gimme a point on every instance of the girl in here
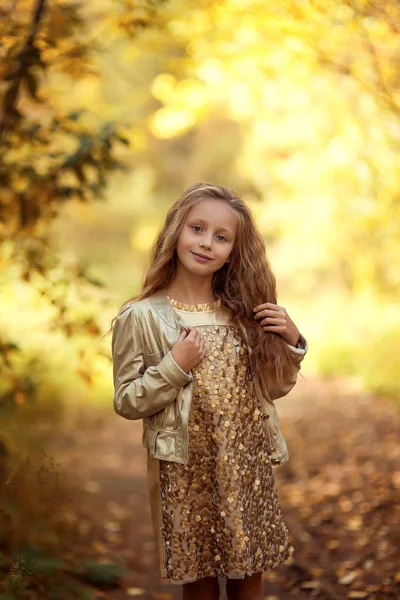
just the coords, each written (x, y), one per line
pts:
(200, 355)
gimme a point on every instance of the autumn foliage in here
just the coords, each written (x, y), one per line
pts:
(109, 110)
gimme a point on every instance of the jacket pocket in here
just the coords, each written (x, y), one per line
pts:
(165, 444)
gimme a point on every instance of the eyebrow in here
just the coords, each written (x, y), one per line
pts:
(204, 222)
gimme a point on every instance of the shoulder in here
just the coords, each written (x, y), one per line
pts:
(128, 323)
(132, 309)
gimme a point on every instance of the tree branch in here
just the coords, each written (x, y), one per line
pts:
(24, 60)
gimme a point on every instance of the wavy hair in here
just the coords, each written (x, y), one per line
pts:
(242, 283)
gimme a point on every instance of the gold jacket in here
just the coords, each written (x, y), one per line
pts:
(150, 385)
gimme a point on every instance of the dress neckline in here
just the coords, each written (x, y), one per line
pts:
(204, 307)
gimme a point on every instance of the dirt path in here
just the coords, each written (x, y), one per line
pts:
(339, 494)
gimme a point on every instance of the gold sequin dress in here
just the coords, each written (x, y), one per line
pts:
(219, 515)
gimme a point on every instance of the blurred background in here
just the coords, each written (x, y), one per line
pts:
(109, 110)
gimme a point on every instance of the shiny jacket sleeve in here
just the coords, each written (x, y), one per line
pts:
(300, 351)
(140, 392)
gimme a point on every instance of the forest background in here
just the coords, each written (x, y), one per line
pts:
(111, 108)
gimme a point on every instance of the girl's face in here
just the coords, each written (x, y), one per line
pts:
(209, 229)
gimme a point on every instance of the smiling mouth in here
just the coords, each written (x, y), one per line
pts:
(205, 257)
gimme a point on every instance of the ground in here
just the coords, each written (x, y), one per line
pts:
(339, 495)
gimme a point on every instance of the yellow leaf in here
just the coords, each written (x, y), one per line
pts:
(135, 591)
(92, 486)
(354, 523)
(348, 578)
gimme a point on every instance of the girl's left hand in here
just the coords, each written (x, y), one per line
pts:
(274, 318)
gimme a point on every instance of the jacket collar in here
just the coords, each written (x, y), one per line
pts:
(163, 308)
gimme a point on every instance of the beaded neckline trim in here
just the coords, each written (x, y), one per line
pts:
(206, 306)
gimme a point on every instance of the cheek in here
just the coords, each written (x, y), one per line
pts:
(226, 251)
(186, 239)
(184, 242)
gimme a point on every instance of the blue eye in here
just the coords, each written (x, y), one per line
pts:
(223, 238)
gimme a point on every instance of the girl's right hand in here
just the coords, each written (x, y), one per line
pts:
(189, 349)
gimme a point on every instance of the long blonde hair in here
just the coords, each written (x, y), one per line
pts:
(241, 284)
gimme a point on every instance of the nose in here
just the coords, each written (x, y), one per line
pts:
(206, 242)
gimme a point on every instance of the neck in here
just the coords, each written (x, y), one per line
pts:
(185, 288)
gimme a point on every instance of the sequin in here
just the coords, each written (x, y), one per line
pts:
(220, 512)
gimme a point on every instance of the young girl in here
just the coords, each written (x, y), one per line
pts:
(200, 355)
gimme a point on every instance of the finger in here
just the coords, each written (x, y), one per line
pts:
(265, 313)
(267, 305)
(274, 328)
(194, 336)
(276, 307)
(273, 321)
(272, 314)
(200, 341)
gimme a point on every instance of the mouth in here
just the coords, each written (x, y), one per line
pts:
(201, 255)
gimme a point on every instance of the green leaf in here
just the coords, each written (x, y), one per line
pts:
(100, 573)
(34, 561)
